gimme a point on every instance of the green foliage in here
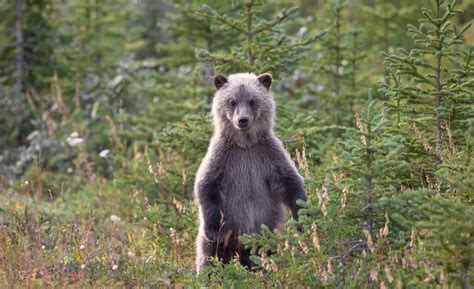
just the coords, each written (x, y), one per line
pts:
(338, 60)
(426, 86)
(266, 49)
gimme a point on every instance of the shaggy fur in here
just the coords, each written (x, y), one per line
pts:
(246, 178)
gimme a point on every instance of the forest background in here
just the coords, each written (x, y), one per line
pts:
(104, 113)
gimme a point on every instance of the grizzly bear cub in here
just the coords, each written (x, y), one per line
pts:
(246, 177)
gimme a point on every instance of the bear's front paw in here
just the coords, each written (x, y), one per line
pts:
(216, 234)
(212, 233)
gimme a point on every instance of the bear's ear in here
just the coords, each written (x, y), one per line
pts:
(219, 81)
(265, 79)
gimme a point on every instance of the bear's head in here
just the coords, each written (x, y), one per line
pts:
(244, 103)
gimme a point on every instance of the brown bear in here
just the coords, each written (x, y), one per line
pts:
(246, 178)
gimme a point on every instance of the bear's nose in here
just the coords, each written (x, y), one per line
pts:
(243, 122)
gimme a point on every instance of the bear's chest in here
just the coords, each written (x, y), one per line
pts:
(247, 198)
(247, 173)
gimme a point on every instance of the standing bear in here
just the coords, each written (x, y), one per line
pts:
(246, 178)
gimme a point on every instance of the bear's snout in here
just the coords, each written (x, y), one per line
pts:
(243, 122)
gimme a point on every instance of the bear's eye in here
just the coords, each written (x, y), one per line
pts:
(252, 102)
(233, 103)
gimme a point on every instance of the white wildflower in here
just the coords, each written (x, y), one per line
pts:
(115, 218)
(43, 247)
(74, 139)
(83, 266)
(82, 247)
(104, 153)
(115, 267)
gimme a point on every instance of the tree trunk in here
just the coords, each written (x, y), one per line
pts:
(337, 66)
(97, 26)
(438, 87)
(207, 69)
(369, 181)
(439, 137)
(250, 57)
(20, 55)
(465, 275)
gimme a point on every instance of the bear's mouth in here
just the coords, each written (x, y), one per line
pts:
(243, 129)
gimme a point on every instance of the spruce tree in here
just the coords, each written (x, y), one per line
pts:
(27, 50)
(383, 32)
(431, 85)
(369, 159)
(261, 44)
(188, 32)
(338, 64)
(330, 60)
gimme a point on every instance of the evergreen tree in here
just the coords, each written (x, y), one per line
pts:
(338, 69)
(27, 61)
(427, 87)
(369, 159)
(189, 32)
(263, 44)
(152, 15)
(386, 18)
